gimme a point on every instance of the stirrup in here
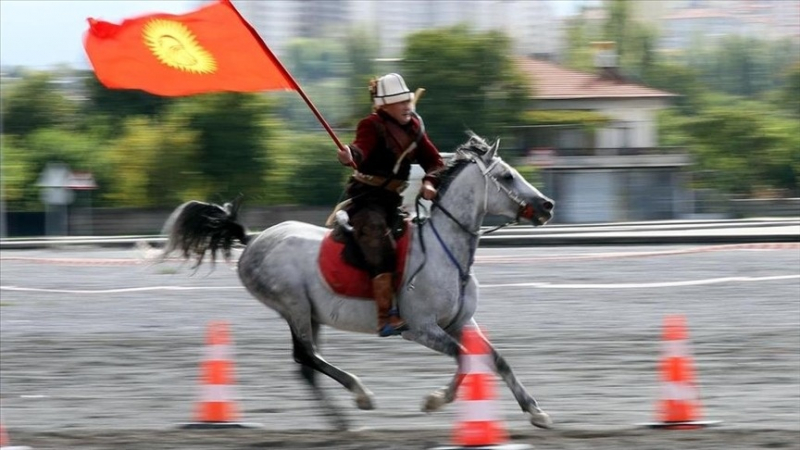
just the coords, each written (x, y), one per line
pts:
(389, 330)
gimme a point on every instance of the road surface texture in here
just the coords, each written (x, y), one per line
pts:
(101, 350)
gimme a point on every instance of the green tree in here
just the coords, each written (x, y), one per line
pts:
(27, 157)
(361, 50)
(677, 79)
(153, 163)
(17, 172)
(471, 82)
(116, 105)
(233, 133)
(34, 103)
(578, 54)
(641, 56)
(311, 60)
(314, 177)
(739, 65)
(789, 95)
(749, 149)
(617, 27)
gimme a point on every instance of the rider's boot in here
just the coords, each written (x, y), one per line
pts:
(389, 321)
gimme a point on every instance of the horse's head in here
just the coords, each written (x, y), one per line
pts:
(507, 193)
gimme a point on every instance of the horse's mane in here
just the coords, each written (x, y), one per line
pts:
(475, 146)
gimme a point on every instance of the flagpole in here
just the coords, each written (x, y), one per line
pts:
(289, 76)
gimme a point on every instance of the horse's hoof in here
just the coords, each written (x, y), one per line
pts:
(364, 401)
(433, 402)
(541, 419)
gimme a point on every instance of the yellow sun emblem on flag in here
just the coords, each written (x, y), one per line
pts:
(174, 45)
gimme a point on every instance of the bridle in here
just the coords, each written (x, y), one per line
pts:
(474, 234)
(487, 177)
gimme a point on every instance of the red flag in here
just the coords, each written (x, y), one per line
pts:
(209, 50)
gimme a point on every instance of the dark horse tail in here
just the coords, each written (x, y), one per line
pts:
(196, 228)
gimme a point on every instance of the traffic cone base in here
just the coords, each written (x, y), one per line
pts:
(214, 426)
(5, 441)
(489, 447)
(688, 425)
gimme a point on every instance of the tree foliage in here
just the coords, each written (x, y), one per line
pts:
(742, 65)
(361, 50)
(35, 103)
(154, 164)
(25, 157)
(311, 175)
(789, 95)
(233, 131)
(471, 83)
(748, 149)
(119, 104)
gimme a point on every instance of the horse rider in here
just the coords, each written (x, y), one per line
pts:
(387, 142)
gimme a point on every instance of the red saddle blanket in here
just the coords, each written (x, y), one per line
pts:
(351, 281)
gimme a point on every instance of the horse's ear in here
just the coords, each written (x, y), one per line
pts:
(493, 151)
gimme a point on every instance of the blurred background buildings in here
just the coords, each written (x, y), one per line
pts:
(533, 25)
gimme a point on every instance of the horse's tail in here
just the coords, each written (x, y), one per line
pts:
(195, 228)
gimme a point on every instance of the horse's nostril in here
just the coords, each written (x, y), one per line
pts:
(548, 206)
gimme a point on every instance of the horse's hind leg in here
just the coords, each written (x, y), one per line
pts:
(435, 338)
(305, 353)
(309, 374)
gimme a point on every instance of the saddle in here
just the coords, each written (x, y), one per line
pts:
(342, 272)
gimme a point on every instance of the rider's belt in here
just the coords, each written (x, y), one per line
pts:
(373, 180)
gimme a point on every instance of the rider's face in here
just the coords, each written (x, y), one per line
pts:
(401, 112)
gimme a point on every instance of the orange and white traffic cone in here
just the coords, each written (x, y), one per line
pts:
(479, 423)
(217, 408)
(5, 442)
(679, 406)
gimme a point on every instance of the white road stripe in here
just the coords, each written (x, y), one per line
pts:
(545, 285)
(122, 290)
(538, 285)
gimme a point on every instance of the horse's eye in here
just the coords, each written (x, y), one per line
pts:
(508, 176)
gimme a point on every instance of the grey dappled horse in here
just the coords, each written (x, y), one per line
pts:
(437, 297)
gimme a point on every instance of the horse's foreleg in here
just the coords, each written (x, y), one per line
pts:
(528, 404)
(305, 353)
(438, 340)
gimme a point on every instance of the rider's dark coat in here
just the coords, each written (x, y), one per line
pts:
(380, 140)
(379, 143)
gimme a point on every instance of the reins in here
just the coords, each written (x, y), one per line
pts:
(463, 273)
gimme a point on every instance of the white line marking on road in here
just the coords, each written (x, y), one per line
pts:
(122, 290)
(539, 285)
(643, 285)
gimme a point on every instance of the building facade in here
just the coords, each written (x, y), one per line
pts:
(613, 173)
(531, 24)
